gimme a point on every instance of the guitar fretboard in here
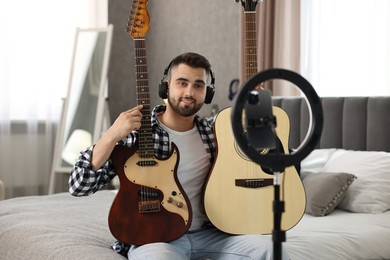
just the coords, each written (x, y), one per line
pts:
(146, 149)
(250, 48)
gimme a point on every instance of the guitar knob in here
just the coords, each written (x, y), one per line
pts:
(179, 204)
(170, 200)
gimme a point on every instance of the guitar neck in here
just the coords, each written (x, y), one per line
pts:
(146, 149)
(250, 45)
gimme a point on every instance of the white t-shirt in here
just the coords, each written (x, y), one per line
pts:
(192, 170)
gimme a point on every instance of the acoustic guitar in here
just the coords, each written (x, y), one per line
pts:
(238, 194)
(150, 205)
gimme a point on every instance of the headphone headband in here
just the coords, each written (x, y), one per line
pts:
(166, 71)
(163, 86)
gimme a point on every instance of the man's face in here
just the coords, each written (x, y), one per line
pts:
(187, 89)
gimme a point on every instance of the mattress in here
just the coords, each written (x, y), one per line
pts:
(340, 235)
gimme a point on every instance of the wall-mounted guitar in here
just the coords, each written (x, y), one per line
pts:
(150, 205)
(238, 194)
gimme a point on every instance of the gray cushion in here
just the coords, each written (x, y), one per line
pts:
(324, 191)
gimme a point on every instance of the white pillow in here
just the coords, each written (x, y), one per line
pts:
(315, 161)
(370, 192)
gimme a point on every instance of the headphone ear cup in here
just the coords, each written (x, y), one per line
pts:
(209, 95)
(163, 89)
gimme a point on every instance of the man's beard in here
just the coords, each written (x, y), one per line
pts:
(186, 110)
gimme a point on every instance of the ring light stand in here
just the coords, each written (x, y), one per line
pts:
(277, 161)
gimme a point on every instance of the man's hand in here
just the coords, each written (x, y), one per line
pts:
(126, 122)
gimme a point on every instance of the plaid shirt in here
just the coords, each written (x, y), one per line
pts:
(83, 181)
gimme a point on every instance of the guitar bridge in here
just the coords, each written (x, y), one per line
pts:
(254, 183)
(149, 206)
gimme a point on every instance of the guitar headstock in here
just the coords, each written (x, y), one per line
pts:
(139, 20)
(249, 5)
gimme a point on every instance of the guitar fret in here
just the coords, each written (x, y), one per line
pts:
(142, 73)
(251, 41)
(143, 90)
(250, 63)
(147, 144)
(146, 140)
(145, 109)
(145, 121)
(143, 101)
(146, 135)
(141, 60)
(144, 98)
(142, 83)
(250, 53)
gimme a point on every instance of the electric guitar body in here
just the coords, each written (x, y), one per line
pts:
(151, 205)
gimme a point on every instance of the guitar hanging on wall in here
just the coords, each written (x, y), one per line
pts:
(238, 195)
(150, 205)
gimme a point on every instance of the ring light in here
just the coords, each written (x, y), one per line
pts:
(278, 160)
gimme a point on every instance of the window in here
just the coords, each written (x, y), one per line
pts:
(346, 46)
(36, 51)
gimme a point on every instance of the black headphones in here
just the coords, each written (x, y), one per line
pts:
(163, 86)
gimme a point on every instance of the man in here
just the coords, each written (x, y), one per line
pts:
(186, 89)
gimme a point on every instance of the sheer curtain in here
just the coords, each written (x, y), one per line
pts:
(35, 58)
(345, 47)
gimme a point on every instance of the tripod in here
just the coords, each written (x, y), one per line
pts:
(278, 235)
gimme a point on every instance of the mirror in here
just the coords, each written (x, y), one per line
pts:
(84, 108)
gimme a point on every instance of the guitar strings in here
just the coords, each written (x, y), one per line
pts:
(142, 99)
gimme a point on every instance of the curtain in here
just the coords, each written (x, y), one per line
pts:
(278, 41)
(35, 59)
(346, 46)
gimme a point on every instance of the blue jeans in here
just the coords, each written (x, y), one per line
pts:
(208, 243)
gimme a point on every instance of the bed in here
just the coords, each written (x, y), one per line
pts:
(347, 214)
(346, 179)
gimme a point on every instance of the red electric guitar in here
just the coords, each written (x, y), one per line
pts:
(150, 205)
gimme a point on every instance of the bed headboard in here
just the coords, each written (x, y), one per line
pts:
(354, 123)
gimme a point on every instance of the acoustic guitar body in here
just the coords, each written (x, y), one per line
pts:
(238, 195)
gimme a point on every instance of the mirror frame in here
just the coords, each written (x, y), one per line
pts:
(101, 115)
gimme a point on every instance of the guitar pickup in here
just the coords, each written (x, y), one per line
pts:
(254, 183)
(147, 163)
